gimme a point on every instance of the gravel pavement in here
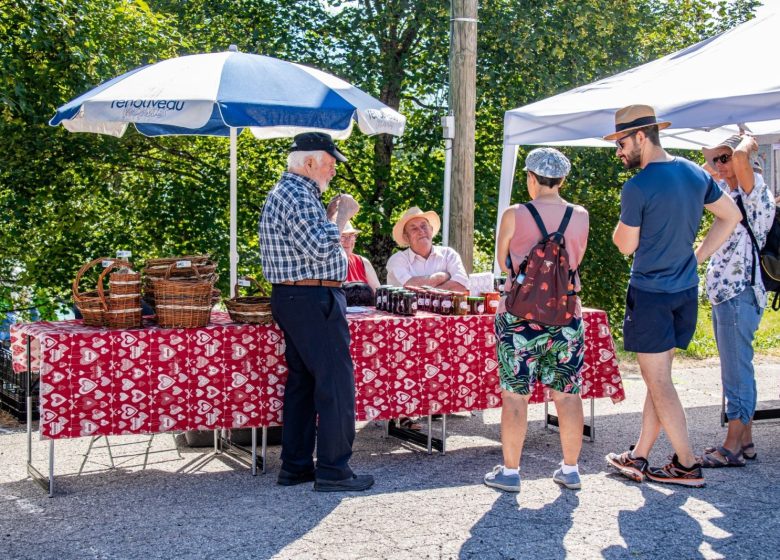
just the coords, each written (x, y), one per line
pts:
(166, 500)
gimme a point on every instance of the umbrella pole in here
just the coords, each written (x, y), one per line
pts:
(233, 205)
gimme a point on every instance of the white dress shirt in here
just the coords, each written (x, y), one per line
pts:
(407, 264)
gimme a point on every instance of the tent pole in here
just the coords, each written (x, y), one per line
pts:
(508, 162)
(233, 206)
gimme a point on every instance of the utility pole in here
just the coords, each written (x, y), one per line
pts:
(463, 78)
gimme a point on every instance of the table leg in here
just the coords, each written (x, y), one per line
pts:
(443, 434)
(38, 478)
(254, 451)
(430, 434)
(264, 452)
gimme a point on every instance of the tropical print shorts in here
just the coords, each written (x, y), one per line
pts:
(528, 352)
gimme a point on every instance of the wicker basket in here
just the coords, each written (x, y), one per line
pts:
(158, 268)
(183, 302)
(250, 309)
(124, 298)
(200, 268)
(118, 307)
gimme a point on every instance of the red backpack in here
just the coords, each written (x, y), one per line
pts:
(543, 290)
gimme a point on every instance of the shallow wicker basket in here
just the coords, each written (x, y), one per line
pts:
(118, 307)
(250, 309)
(183, 302)
(158, 268)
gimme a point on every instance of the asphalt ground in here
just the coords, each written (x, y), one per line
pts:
(166, 500)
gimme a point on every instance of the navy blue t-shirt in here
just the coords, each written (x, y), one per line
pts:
(666, 200)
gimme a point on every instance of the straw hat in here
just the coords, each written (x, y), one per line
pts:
(411, 214)
(633, 117)
(731, 143)
(349, 228)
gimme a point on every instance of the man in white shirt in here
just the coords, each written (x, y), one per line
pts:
(423, 263)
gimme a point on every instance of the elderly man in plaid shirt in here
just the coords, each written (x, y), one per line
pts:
(303, 259)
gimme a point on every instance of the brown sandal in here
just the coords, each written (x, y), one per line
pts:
(721, 457)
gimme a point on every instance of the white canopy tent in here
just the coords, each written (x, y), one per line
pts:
(707, 91)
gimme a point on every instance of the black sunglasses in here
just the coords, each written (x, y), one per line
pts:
(723, 158)
(619, 143)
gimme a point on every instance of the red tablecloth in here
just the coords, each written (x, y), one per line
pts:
(104, 382)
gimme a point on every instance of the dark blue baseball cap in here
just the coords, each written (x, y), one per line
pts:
(314, 142)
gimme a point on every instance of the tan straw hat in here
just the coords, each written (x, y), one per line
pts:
(411, 214)
(732, 142)
(349, 228)
(633, 117)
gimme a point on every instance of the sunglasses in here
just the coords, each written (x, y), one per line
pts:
(619, 143)
(723, 158)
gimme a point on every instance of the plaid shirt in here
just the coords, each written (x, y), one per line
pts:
(297, 242)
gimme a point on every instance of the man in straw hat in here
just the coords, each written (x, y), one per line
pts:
(660, 211)
(423, 263)
(303, 259)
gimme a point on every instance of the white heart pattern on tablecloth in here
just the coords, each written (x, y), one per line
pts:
(88, 355)
(86, 385)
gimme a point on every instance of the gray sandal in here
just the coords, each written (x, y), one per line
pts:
(721, 457)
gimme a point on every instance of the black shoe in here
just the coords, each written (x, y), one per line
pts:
(357, 483)
(291, 479)
(675, 473)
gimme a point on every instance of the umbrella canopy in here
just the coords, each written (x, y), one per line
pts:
(208, 94)
(220, 94)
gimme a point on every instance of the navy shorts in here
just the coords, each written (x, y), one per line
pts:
(657, 322)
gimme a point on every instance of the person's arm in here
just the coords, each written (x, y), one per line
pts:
(727, 216)
(459, 278)
(626, 238)
(626, 234)
(505, 232)
(373, 279)
(310, 230)
(435, 280)
(743, 166)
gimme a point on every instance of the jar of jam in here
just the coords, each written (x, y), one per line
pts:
(491, 302)
(410, 303)
(435, 302)
(400, 302)
(476, 305)
(446, 305)
(460, 304)
(421, 295)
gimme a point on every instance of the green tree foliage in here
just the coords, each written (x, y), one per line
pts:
(66, 198)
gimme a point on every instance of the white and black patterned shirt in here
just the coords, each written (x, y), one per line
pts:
(728, 272)
(297, 242)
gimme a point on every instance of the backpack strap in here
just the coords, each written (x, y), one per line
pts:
(537, 218)
(756, 248)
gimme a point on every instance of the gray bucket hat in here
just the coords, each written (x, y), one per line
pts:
(547, 162)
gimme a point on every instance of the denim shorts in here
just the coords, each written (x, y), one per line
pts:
(657, 322)
(735, 321)
(529, 352)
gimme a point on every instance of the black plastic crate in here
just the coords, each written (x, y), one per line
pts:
(12, 386)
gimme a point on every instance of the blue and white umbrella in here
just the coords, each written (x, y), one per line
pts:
(220, 94)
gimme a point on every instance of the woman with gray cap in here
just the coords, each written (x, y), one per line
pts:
(737, 294)
(530, 352)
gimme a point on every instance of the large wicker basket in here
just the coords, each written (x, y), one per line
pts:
(250, 309)
(183, 302)
(188, 268)
(118, 307)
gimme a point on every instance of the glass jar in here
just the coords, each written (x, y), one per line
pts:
(460, 304)
(435, 302)
(410, 303)
(491, 302)
(476, 305)
(446, 305)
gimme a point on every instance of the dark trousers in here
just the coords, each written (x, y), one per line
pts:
(319, 398)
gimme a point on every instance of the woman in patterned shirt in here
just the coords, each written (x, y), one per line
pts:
(738, 297)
